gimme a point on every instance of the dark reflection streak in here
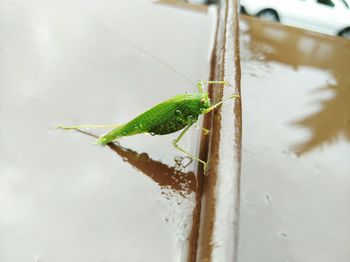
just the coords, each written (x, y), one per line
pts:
(163, 175)
(323, 52)
(330, 123)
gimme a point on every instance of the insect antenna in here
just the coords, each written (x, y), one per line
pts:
(144, 51)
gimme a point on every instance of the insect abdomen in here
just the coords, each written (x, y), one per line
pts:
(176, 123)
(175, 120)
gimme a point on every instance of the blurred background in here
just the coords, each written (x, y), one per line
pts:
(324, 16)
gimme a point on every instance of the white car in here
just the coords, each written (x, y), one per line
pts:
(325, 16)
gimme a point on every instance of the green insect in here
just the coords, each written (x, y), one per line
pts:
(174, 114)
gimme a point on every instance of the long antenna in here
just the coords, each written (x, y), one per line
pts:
(144, 51)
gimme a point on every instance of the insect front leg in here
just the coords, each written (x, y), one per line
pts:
(216, 105)
(176, 141)
(216, 82)
(201, 84)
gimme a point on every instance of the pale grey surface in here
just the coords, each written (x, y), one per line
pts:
(296, 146)
(73, 62)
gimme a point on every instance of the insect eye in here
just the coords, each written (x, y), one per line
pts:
(203, 101)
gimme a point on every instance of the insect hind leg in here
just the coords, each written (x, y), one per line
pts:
(176, 142)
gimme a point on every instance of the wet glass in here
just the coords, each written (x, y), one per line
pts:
(91, 62)
(296, 145)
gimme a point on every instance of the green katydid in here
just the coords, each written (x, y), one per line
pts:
(174, 114)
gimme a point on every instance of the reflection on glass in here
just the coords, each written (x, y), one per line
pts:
(163, 175)
(293, 48)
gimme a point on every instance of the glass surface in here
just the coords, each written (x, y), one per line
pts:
(94, 62)
(296, 145)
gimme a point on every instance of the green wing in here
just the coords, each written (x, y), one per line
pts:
(164, 118)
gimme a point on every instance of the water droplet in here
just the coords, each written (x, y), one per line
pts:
(268, 199)
(283, 234)
(153, 134)
(123, 133)
(140, 125)
(178, 112)
(190, 117)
